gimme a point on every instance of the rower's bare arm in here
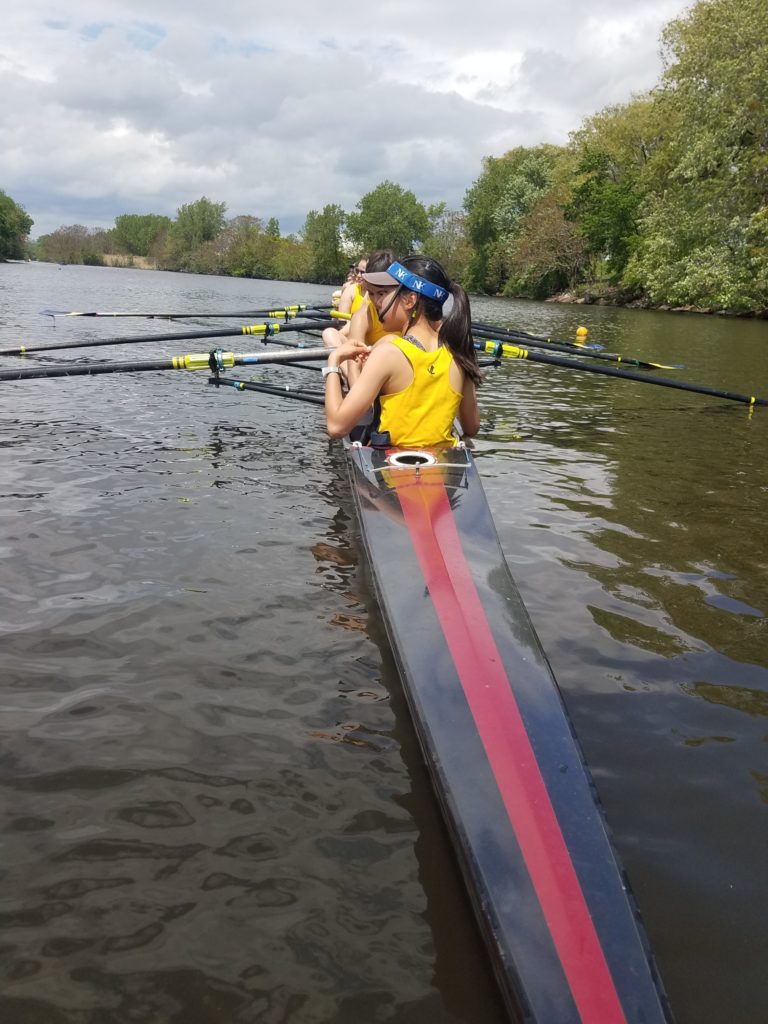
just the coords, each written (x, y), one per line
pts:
(342, 413)
(347, 295)
(358, 326)
(469, 414)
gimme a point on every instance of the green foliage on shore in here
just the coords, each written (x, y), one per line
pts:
(660, 201)
(388, 217)
(663, 200)
(15, 225)
(703, 230)
(136, 234)
(74, 244)
(322, 235)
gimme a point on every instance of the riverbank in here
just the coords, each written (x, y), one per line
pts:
(609, 295)
(130, 262)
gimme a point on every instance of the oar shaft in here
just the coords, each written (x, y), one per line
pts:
(193, 361)
(502, 334)
(607, 371)
(85, 369)
(267, 330)
(269, 389)
(278, 311)
(290, 392)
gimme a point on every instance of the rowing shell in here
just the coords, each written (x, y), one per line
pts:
(564, 935)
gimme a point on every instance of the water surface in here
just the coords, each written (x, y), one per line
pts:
(214, 807)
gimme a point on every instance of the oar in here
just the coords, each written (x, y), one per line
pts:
(216, 360)
(268, 330)
(275, 312)
(516, 352)
(270, 389)
(301, 394)
(537, 341)
(534, 341)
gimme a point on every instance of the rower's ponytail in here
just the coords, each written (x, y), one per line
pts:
(455, 329)
(456, 332)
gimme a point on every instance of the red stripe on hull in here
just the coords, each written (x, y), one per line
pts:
(503, 734)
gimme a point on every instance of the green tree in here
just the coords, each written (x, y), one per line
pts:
(247, 250)
(612, 151)
(136, 233)
(273, 227)
(235, 244)
(389, 217)
(199, 222)
(549, 253)
(530, 180)
(292, 260)
(703, 225)
(15, 225)
(448, 241)
(74, 244)
(606, 208)
(196, 224)
(494, 204)
(322, 235)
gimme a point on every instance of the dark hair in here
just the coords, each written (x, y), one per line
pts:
(456, 329)
(380, 259)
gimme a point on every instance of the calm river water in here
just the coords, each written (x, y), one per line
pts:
(214, 807)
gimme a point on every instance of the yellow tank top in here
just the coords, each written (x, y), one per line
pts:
(421, 415)
(357, 300)
(376, 331)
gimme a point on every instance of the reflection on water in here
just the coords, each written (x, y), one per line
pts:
(214, 806)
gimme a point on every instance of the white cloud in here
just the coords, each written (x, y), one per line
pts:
(130, 106)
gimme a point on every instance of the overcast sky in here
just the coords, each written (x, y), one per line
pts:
(134, 106)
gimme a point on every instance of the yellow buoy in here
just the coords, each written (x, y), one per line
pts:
(581, 335)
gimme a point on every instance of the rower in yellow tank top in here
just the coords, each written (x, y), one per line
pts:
(422, 374)
(368, 322)
(357, 299)
(376, 330)
(352, 285)
(425, 410)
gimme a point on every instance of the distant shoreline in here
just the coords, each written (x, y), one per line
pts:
(595, 295)
(600, 295)
(129, 262)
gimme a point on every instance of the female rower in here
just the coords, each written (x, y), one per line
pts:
(423, 374)
(365, 324)
(352, 291)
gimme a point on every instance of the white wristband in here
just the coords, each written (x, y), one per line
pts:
(330, 369)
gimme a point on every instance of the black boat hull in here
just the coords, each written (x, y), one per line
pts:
(551, 899)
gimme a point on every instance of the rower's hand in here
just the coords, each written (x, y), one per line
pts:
(355, 350)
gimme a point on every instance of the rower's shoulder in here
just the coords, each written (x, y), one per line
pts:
(383, 348)
(388, 343)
